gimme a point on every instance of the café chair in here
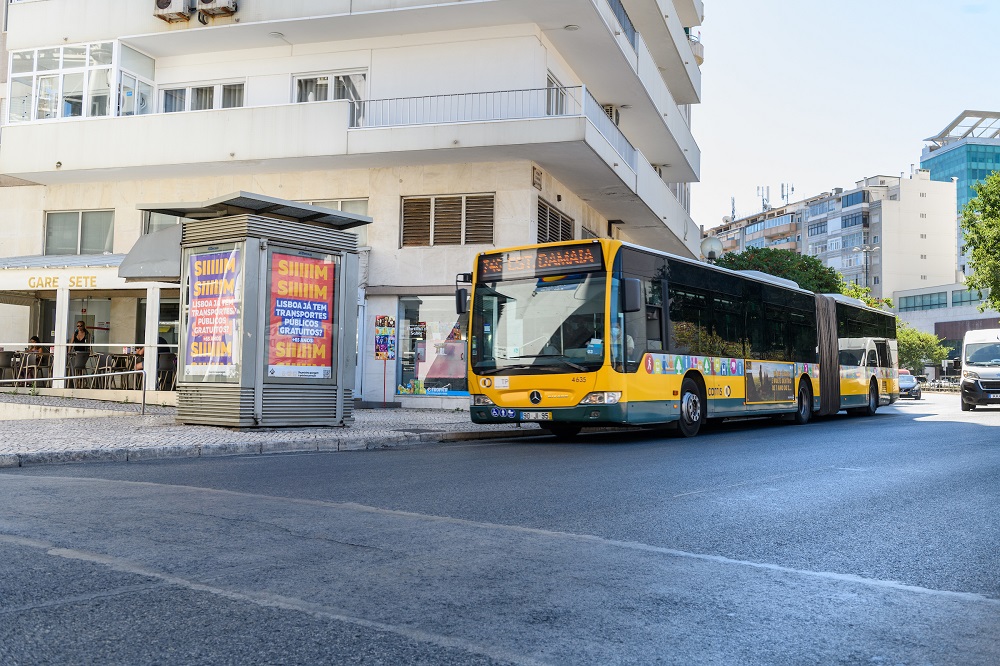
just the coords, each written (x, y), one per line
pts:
(7, 364)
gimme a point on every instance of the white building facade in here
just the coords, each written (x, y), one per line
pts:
(457, 126)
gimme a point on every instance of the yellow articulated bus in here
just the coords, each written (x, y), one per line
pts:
(601, 332)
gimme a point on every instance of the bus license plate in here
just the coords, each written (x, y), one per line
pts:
(536, 416)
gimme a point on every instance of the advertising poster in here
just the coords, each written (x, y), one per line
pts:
(213, 314)
(300, 336)
(385, 338)
(770, 382)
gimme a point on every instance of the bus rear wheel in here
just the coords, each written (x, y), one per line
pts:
(803, 410)
(692, 409)
(872, 406)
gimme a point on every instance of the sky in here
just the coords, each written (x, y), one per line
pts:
(820, 94)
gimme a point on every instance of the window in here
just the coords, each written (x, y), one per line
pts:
(923, 256)
(153, 222)
(355, 206)
(448, 220)
(79, 232)
(924, 236)
(923, 216)
(817, 229)
(855, 219)
(432, 343)
(202, 97)
(61, 82)
(855, 198)
(923, 195)
(326, 87)
(553, 225)
(967, 297)
(923, 301)
(555, 97)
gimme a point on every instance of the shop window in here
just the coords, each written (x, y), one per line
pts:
(79, 232)
(432, 347)
(448, 220)
(553, 225)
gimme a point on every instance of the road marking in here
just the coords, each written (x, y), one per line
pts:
(262, 599)
(586, 538)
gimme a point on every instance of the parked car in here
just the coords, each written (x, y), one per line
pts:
(909, 387)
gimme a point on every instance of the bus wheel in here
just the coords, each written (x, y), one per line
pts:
(872, 406)
(803, 411)
(563, 430)
(691, 408)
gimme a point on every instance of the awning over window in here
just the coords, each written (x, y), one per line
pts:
(155, 257)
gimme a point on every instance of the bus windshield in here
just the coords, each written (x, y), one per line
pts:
(551, 324)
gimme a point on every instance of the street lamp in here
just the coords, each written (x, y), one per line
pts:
(866, 249)
(711, 248)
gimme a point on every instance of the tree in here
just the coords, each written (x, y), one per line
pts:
(864, 294)
(981, 228)
(918, 349)
(808, 272)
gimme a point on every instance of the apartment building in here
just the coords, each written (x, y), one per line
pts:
(457, 126)
(887, 233)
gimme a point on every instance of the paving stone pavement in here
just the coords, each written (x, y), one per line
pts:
(132, 436)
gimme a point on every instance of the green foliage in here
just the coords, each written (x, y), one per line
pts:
(918, 349)
(981, 226)
(864, 294)
(808, 272)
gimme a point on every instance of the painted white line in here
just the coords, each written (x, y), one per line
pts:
(586, 538)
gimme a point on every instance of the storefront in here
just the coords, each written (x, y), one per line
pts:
(59, 291)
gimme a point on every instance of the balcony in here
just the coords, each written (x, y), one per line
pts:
(499, 114)
(563, 130)
(295, 137)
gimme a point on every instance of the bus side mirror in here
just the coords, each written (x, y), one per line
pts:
(461, 300)
(632, 290)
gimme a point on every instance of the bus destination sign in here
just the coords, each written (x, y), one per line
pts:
(541, 262)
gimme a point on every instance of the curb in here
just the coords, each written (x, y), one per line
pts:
(222, 449)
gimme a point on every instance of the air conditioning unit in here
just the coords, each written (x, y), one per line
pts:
(613, 112)
(217, 7)
(172, 11)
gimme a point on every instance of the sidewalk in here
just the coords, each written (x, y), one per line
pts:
(103, 431)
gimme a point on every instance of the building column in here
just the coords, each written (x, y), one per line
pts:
(149, 354)
(61, 338)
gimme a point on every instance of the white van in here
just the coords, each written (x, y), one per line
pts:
(981, 368)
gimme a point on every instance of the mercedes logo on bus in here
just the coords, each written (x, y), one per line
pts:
(535, 397)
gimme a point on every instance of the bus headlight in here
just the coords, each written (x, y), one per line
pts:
(602, 398)
(477, 400)
(970, 374)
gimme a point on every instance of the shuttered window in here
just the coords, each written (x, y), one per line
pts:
(553, 226)
(449, 220)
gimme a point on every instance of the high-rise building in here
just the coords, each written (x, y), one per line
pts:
(457, 126)
(967, 150)
(887, 233)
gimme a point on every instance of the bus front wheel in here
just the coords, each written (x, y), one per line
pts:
(692, 408)
(803, 411)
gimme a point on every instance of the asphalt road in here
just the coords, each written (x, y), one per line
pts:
(850, 540)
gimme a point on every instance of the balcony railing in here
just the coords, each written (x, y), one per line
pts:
(623, 20)
(493, 106)
(467, 107)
